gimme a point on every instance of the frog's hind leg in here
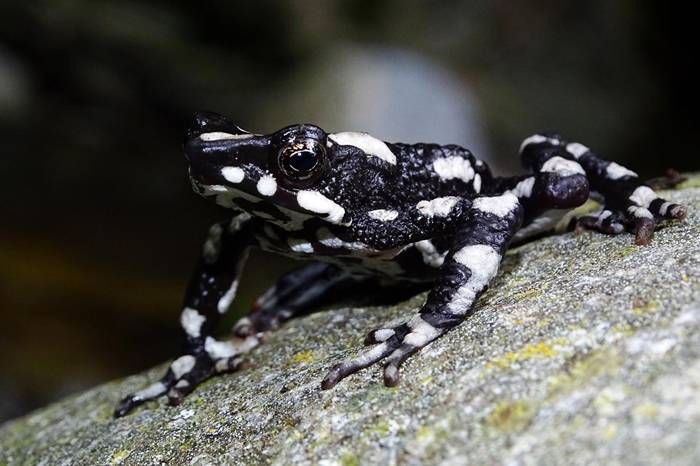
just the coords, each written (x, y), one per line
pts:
(556, 185)
(296, 293)
(629, 204)
(475, 253)
(306, 289)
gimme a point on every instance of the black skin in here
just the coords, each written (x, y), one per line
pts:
(377, 217)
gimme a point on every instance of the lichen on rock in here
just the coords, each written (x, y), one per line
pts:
(586, 349)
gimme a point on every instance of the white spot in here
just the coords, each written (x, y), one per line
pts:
(449, 168)
(214, 188)
(421, 333)
(368, 144)
(300, 245)
(219, 349)
(643, 196)
(524, 188)
(534, 139)
(562, 166)
(192, 321)
(482, 261)
(384, 334)
(538, 139)
(220, 135)
(498, 205)
(383, 215)
(151, 391)
(576, 149)
(440, 206)
(431, 256)
(602, 216)
(317, 202)
(664, 207)
(237, 222)
(616, 171)
(227, 298)
(233, 174)
(477, 183)
(328, 239)
(182, 365)
(267, 185)
(640, 212)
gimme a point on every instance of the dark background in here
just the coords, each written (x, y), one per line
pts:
(98, 226)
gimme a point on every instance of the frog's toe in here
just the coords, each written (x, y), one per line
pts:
(188, 371)
(395, 344)
(153, 391)
(604, 222)
(381, 335)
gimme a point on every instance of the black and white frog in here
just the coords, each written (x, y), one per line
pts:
(370, 213)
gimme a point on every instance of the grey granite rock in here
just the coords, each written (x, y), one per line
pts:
(586, 350)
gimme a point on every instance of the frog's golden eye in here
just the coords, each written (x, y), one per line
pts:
(301, 160)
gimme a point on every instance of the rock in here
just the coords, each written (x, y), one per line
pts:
(585, 350)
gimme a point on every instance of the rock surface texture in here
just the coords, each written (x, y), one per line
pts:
(585, 350)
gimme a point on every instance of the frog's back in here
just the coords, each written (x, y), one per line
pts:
(427, 171)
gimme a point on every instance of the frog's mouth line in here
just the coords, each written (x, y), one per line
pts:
(248, 188)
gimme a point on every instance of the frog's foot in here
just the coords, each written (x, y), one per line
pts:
(189, 370)
(394, 345)
(642, 211)
(296, 293)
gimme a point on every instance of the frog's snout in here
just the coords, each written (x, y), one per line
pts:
(209, 122)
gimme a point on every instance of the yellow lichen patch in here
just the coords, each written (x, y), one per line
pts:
(305, 357)
(647, 410)
(626, 251)
(536, 350)
(119, 457)
(692, 182)
(509, 416)
(526, 294)
(581, 371)
(349, 459)
(645, 308)
(426, 380)
(609, 431)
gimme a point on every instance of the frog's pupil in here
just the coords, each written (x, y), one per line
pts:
(303, 160)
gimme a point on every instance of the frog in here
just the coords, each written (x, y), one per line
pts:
(368, 214)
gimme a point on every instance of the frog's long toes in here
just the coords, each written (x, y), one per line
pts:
(644, 231)
(679, 212)
(153, 391)
(365, 358)
(126, 405)
(604, 221)
(379, 335)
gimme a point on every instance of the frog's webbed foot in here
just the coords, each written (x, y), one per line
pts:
(189, 370)
(297, 293)
(394, 345)
(640, 212)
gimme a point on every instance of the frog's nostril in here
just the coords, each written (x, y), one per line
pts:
(205, 122)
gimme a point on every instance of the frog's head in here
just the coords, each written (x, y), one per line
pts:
(259, 173)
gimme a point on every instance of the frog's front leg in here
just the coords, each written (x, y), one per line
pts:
(211, 289)
(478, 245)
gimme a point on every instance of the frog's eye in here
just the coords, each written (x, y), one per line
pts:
(302, 160)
